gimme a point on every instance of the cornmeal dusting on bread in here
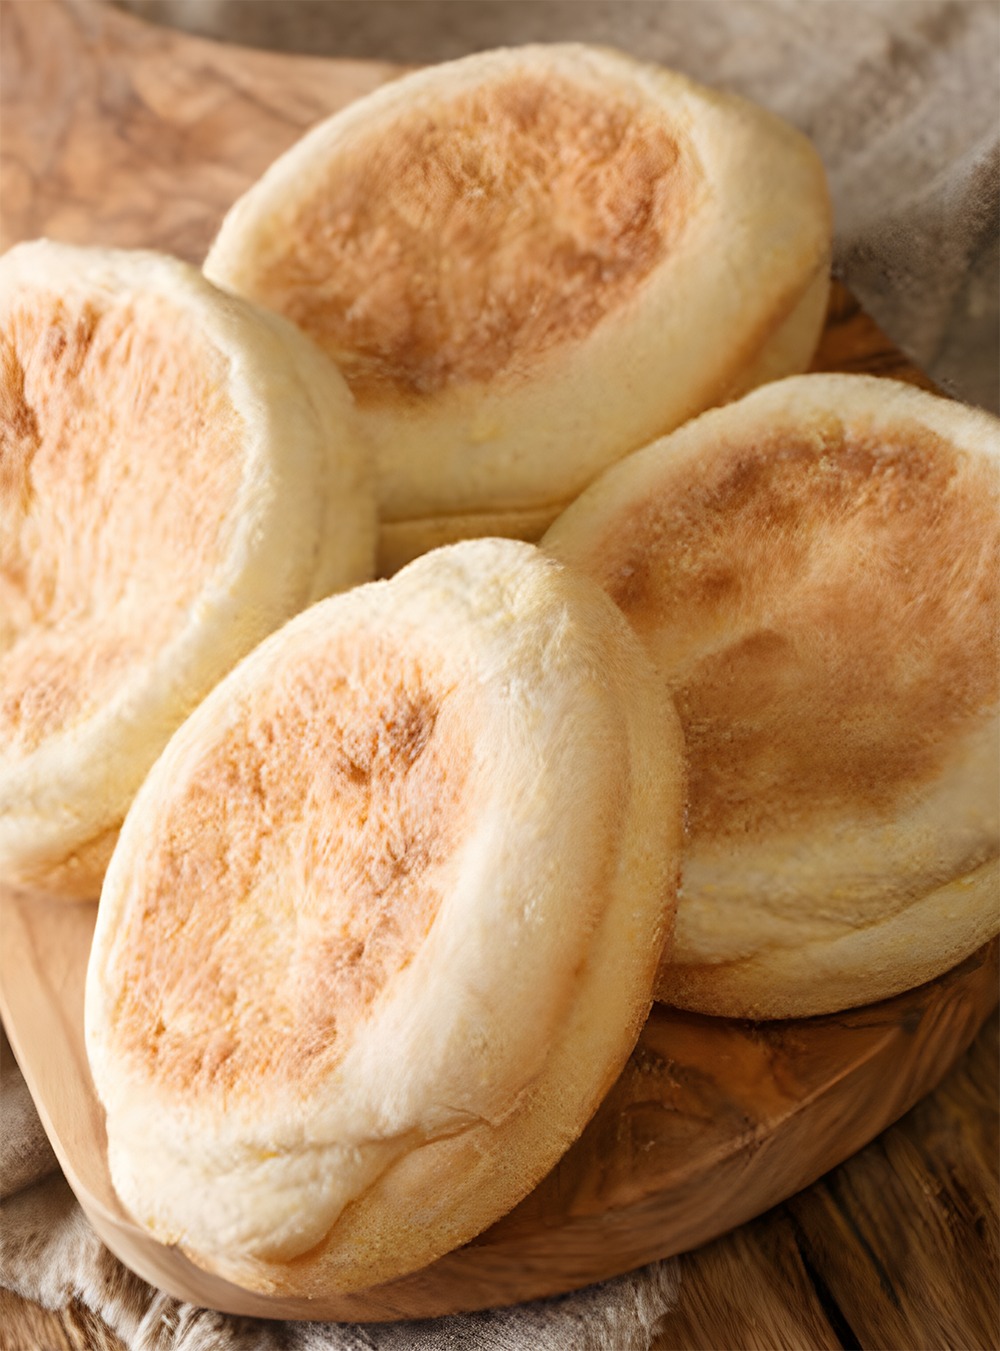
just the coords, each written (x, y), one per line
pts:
(304, 863)
(469, 238)
(115, 474)
(850, 628)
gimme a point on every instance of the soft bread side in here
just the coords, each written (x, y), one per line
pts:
(860, 964)
(401, 541)
(383, 922)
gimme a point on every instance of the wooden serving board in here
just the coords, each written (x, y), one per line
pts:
(149, 139)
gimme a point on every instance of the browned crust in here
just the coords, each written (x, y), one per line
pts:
(304, 862)
(845, 584)
(115, 427)
(467, 239)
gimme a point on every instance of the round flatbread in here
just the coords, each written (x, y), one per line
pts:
(814, 569)
(180, 473)
(383, 922)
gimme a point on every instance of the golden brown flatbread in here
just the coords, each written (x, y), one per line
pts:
(383, 922)
(528, 263)
(180, 473)
(814, 569)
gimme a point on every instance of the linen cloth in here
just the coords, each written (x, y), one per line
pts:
(902, 97)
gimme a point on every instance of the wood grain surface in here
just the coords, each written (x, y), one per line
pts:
(150, 138)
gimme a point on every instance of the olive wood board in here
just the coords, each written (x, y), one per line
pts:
(151, 137)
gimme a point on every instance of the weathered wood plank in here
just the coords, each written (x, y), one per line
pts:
(906, 1233)
(896, 1248)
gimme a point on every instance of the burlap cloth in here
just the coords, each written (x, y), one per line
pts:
(903, 100)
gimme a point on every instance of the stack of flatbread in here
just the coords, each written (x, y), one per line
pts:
(388, 869)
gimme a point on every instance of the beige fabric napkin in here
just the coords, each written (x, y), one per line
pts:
(903, 99)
